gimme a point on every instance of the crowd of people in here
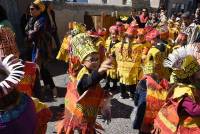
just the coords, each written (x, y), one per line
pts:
(153, 58)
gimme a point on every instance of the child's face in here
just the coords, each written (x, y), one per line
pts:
(140, 38)
(92, 61)
(113, 35)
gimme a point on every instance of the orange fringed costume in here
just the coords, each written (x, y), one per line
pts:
(43, 116)
(26, 85)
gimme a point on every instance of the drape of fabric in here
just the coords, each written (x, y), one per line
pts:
(155, 98)
(21, 118)
(81, 111)
(110, 47)
(158, 59)
(128, 65)
(63, 53)
(100, 44)
(43, 116)
(26, 85)
(173, 33)
(168, 118)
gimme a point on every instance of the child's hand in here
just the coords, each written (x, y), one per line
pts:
(105, 65)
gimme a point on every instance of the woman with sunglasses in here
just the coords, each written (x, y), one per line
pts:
(143, 18)
(40, 41)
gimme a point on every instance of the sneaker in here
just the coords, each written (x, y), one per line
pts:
(55, 92)
(122, 97)
(131, 98)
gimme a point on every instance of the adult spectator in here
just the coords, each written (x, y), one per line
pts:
(133, 17)
(51, 22)
(143, 18)
(39, 41)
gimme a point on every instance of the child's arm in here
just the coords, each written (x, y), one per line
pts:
(191, 107)
(93, 79)
(88, 81)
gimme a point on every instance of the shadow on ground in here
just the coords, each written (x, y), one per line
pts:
(120, 110)
(48, 95)
(57, 111)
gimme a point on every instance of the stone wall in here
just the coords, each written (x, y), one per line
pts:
(68, 12)
(185, 2)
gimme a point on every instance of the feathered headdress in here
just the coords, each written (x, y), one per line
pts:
(11, 72)
(183, 62)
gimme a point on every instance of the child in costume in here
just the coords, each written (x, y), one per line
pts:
(85, 97)
(128, 57)
(181, 112)
(140, 40)
(121, 30)
(158, 52)
(18, 113)
(151, 93)
(27, 83)
(110, 45)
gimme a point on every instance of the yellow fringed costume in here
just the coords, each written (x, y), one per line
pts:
(158, 59)
(128, 65)
(63, 52)
(100, 44)
(112, 73)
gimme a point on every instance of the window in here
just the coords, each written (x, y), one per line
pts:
(173, 6)
(124, 2)
(104, 1)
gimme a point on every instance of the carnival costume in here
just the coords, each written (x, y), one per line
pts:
(128, 57)
(110, 46)
(27, 83)
(151, 92)
(181, 113)
(17, 109)
(83, 100)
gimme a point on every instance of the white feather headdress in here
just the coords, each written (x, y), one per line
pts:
(13, 67)
(175, 59)
(183, 61)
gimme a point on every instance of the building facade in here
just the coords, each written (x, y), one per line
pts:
(111, 2)
(175, 6)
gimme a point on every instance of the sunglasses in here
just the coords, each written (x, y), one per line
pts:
(32, 9)
(92, 59)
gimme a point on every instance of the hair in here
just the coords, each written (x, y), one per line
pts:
(122, 45)
(3, 14)
(129, 47)
(35, 6)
